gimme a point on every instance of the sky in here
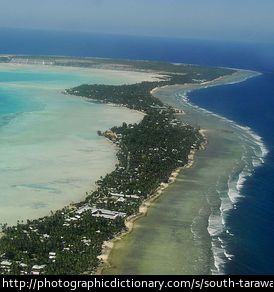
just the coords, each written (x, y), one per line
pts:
(250, 20)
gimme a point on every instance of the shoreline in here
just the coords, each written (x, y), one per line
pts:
(244, 132)
(93, 154)
(238, 76)
(144, 209)
(158, 192)
(146, 204)
(215, 229)
(113, 69)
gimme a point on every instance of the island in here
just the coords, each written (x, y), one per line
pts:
(70, 241)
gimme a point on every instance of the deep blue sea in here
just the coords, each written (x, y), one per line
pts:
(250, 104)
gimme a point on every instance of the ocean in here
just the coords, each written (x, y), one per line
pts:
(249, 104)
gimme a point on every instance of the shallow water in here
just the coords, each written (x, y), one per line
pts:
(185, 232)
(50, 154)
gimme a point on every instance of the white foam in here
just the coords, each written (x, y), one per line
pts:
(219, 258)
(229, 233)
(246, 172)
(241, 180)
(254, 156)
(234, 187)
(247, 133)
(215, 225)
(254, 137)
(226, 205)
(228, 256)
(196, 235)
(256, 162)
(183, 96)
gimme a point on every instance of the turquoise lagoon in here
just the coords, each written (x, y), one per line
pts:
(50, 154)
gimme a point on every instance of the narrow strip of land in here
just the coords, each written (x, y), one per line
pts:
(69, 241)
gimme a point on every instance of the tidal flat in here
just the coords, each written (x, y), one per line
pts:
(185, 230)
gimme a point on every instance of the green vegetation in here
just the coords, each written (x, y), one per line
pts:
(191, 72)
(135, 96)
(138, 96)
(70, 240)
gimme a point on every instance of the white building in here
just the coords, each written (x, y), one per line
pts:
(37, 269)
(5, 265)
(124, 196)
(83, 209)
(108, 214)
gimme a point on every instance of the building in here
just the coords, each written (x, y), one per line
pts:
(121, 200)
(83, 209)
(124, 196)
(52, 256)
(5, 266)
(107, 214)
(37, 269)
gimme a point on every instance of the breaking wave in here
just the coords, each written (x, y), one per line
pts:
(253, 156)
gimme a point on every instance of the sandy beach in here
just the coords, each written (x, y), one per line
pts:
(114, 76)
